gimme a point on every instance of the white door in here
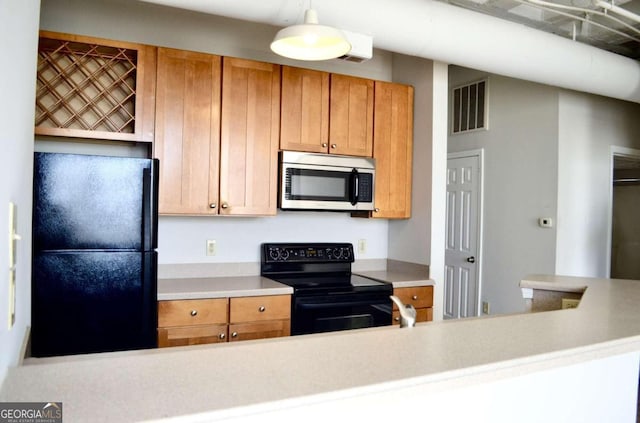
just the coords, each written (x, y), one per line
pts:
(462, 287)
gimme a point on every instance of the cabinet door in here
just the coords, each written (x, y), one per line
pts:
(192, 312)
(94, 88)
(249, 140)
(251, 309)
(422, 315)
(351, 116)
(259, 330)
(304, 107)
(191, 335)
(419, 296)
(393, 149)
(187, 131)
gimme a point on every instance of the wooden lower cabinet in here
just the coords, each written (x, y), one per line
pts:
(192, 322)
(191, 335)
(259, 330)
(420, 297)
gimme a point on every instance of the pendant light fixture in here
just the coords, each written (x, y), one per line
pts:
(310, 41)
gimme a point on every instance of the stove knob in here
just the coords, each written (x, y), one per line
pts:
(338, 253)
(346, 253)
(329, 253)
(284, 255)
(273, 254)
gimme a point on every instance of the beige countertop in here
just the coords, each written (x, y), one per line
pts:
(401, 274)
(210, 382)
(219, 287)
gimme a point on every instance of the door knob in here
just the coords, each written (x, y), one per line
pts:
(471, 259)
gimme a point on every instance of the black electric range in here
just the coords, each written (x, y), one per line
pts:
(326, 295)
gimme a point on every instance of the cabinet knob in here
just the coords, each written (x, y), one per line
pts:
(397, 319)
(334, 145)
(324, 144)
(213, 205)
(234, 335)
(225, 205)
(261, 309)
(194, 312)
(221, 336)
(376, 210)
(415, 297)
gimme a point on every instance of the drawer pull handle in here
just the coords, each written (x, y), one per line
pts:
(194, 312)
(221, 336)
(234, 335)
(415, 297)
(261, 309)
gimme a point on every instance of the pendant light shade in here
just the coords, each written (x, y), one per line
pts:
(310, 41)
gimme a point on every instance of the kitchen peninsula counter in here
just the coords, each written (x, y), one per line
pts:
(374, 374)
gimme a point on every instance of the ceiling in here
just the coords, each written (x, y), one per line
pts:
(582, 20)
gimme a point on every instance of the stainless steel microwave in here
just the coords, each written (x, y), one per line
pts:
(310, 181)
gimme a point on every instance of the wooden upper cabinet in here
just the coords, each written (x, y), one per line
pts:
(393, 149)
(304, 121)
(250, 135)
(351, 116)
(188, 131)
(94, 88)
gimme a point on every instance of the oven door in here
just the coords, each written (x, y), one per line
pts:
(329, 313)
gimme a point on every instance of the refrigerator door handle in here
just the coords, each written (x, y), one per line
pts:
(150, 206)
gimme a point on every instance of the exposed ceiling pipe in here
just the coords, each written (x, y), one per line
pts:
(617, 9)
(449, 34)
(553, 6)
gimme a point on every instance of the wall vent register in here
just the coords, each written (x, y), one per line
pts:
(469, 107)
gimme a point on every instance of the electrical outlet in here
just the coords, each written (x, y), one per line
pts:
(362, 246)
(485, 307)
(569, 303)
(211, 247)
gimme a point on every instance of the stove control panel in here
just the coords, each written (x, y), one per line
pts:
(308, 253)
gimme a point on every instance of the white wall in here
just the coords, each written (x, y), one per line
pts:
(420, 239)
(18, 22)
(589, 125)
(409, 239)
(182, 240)
(519, 183)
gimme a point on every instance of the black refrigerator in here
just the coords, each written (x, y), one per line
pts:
(94, 279)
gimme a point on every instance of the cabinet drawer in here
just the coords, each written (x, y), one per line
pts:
(422, 315)
(419, 296)
(259, 330)
(251, 309)
(192, 312)
(191, 335)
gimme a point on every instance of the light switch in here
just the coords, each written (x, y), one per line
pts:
(13, 236)
(12, 298)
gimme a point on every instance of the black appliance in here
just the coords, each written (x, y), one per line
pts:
(326, 295)
(94, 281)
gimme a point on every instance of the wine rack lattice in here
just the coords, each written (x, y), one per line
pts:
(85, 86)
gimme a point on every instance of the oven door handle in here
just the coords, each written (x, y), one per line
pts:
(355, 303)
